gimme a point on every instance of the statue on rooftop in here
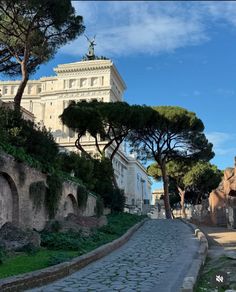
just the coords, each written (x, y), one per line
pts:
(91, 55)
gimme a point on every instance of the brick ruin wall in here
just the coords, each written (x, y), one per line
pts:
(16, 204)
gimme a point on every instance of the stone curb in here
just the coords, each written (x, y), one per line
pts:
(190, 280)
(45, 276)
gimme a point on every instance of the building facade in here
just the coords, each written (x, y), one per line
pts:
(87, 80)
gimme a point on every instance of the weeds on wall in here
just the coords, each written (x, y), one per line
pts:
(82, 196)
(99, 208)
(37, 191)
(53, 194)
(3, 254)
(2, 161)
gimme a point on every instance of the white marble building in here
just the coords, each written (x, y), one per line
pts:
(86, 80)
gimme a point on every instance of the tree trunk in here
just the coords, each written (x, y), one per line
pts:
(198, 198)
(182, 197)
(166, 191)
(21, 88)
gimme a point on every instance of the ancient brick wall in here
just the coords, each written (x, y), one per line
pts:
(16, 203)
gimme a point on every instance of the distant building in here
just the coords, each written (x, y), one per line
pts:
(156, 195)
(86, 80)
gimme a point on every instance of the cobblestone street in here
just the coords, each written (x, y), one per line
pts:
(156, 258)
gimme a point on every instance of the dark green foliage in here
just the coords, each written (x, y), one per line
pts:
(82, 196)
(103, 172)
(97, 176)
(20, 155)
(58, 258)
(55, 226)
(118, 224)
(118, 200)
(174, 199)
(3, 254)
(37, 191)
(196, 179)
(109, 121)
(99, 207)
(201, 179)
(172, 133)
(82, 166)
(64, 241)
(53, 195)
(30, 249)
(2, 161)
(27, 137)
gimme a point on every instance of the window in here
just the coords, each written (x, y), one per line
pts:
(31, 106)
(94, 81)
(13, 90)
(5, 90)
(71, 133)
(29, 89)
(138, 181)
(83, 82)
(72, 83)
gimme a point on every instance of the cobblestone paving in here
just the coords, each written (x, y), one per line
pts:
(149, 259)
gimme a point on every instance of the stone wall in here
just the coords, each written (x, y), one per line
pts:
(17, 204)
(222, 201)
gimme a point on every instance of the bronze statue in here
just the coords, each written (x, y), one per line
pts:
(91, 55)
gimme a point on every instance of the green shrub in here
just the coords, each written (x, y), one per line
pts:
(82, 196)
(63, 241)
(118, 200)
(99, 208)
(3, 254)
(30, 249)
(37, 191)
(22, 134)
(55, 226)
(82, 166)
(59, 258)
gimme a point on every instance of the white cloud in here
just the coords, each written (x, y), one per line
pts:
(143, 27)
(126, 28)
(225, 92)
(222, 142)
(222, 11)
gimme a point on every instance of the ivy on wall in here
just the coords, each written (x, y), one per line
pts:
(99, 208)
(82, 196)
(37, 191)
(53, 194)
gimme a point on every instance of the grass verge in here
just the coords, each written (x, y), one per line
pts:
(59, 247)
(211, 268)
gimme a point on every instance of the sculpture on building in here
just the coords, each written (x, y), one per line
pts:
(90, 55)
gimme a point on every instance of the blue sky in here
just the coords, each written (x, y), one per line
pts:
(169, 53)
